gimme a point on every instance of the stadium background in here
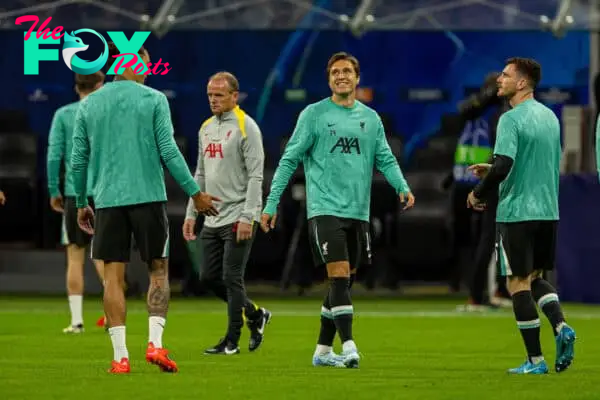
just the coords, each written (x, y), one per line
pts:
(419, 59)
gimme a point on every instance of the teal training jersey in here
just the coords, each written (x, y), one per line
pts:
(339, 147)
(122, 132)
(530, 135)
(60, 144)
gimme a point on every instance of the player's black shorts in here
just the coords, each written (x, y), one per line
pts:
(523, 247)
(114, 227)
(335, 239)
(71, 233)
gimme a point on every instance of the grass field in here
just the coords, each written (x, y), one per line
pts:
(411, 350)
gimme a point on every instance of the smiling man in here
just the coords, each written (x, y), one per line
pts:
(339, 140)
(230, 163)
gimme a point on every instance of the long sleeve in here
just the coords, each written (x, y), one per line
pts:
(56, 152)
(386, 163)
(499, 170)
(198, 177)
(168, 149)
(80, 156)
(301, 141)
(254, 160)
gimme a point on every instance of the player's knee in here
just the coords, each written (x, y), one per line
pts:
(516, 284)
(232, 279)
(340, 269)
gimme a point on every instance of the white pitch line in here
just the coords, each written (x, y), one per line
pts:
(314, 313)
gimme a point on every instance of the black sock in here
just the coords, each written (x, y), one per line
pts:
(547, 299)
(327, 333)
(351, 280)
(528, 322)
(341, 307)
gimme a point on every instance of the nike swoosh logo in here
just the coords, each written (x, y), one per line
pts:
(229, 352)
(330, 125)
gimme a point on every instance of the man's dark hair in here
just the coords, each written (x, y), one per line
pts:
(343, 56)
(232, 81)
(87, 83)
(528, 67)
(113, 51)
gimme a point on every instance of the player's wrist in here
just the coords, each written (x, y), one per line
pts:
(245, 220)
(54, 193)
(270, 209)
(82, 202)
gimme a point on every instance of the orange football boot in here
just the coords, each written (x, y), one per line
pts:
(101, 323)
(160, 357)
(120, 367)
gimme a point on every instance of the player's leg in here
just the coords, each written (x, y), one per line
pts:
(212, 268)
(75, 241)
(112, 244)
(546, 297)
(332, 241)
(323, 355)
(75, 285)
(235, 261)
(99, 266)
(515, 258)
(235, 258)
(150, 227)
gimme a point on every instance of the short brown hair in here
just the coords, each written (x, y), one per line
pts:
(87, 83)
(527, 67)
(232, 81)
(342, 55)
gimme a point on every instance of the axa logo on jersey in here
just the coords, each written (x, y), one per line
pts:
(214, 150)
(127, 57)
(346, 145)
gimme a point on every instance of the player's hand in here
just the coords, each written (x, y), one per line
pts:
(189, 229)
(267, 222)
(480, 170)
(204, 204)
(57, 204)
(2, 198)
(85, 219)
(244, 231)
(474, 203)
(409, 198)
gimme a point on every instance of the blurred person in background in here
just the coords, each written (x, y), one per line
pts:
(230, 165)
(2, 198)
(75, 240)
(474, 146)
(339, 140)
(477, 143)
(124, 134)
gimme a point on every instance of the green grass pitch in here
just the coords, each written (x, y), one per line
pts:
(411, 349)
